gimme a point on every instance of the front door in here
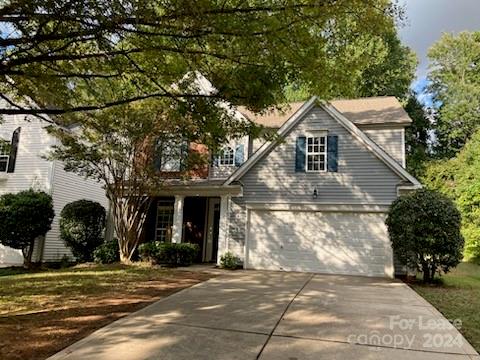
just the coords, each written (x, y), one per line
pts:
(213, 222)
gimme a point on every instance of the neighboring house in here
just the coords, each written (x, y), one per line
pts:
(315, 200)
(22, 167)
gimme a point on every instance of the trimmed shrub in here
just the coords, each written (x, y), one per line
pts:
(23, 217)
(107, 253)
(424, 228)
(81, 228)
(229, 261)
(171, 254)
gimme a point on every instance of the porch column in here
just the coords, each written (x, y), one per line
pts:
(223, 227)
(177, 227)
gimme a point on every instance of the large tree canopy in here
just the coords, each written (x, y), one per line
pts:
(63, 54)
(455, 85)
(388, 72)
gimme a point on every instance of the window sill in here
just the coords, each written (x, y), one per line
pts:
(4, 176)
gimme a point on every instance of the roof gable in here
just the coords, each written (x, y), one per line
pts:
(337, 116)
(364, 111)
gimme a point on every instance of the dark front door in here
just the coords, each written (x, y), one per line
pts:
(194, 213)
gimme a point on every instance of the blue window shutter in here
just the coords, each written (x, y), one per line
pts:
(300, 151)
(239, 155)
(13, 151)
(216, 159)
(157, 157)
(332, 153)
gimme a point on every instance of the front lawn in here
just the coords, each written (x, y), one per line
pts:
(44, 311)
(457, 296)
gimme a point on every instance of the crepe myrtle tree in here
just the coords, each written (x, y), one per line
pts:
(424, 228)
(134, 149)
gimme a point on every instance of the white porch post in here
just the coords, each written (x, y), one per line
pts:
(177, 227)
(223, 227)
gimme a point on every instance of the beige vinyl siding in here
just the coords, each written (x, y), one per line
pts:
(68, 187)
(391, 140)
(362, 178)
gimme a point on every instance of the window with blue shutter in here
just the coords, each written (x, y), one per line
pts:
(239, 155)
(332, 153)
(300, 151)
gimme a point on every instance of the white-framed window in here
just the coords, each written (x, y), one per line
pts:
(163, 229)
(4, 155)
(316, 154)
(227, 156)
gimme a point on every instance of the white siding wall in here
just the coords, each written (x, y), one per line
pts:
(68, 187)
(32, 171)
(391, 140)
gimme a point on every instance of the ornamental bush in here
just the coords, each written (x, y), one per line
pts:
(107, 253)
(172, 254)
(424, 228)
(229, 261)
(81, 228)
(23, 217)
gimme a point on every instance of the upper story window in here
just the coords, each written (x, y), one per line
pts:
(230, 156)
(8, 152)
(316, 154)
(170, 154)
(227, 156)
(4, 155)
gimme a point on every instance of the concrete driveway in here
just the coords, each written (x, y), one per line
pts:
(273, 315)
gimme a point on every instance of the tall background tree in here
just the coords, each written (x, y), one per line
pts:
(455, 86)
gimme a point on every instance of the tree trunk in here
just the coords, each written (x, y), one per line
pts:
(426, 273)
(129, 217)
(27, 255)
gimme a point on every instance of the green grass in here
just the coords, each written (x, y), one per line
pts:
(457, 296)
(26, 291)
(54, 308)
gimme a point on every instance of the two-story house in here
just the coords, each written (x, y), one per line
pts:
(23, 166)
(315, 199)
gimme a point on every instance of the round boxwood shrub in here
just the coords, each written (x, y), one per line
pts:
(424, 228)
(81, 228)
(171, 254)
(107, 253)
(23, 217)
(229, 261)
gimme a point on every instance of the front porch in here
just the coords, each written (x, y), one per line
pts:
(194, 214)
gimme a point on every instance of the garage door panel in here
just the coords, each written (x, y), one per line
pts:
(344, 243)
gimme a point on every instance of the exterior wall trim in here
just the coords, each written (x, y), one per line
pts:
(369, 208)
(218, 190)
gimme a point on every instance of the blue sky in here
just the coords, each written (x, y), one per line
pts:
(427, 20)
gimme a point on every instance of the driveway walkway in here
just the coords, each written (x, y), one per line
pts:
(273, 315)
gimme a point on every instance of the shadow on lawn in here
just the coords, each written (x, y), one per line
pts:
(72, 312)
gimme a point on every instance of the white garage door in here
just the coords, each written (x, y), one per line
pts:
(323, 242)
